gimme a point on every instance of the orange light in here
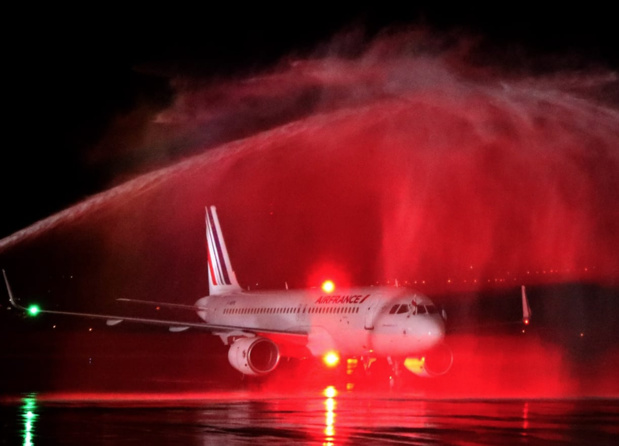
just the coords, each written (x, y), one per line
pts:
(330, 405)
(328, 286)
(415, 365)
(331, 359)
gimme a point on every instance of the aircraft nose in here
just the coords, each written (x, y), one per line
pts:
(434, 332)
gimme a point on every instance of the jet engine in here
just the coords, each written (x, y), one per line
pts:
(435, 362)
(254, 356)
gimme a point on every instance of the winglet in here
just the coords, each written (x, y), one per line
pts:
(11, 297)
(526, 310)
(222, 279)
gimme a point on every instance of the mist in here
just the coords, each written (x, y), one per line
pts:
(402, 158)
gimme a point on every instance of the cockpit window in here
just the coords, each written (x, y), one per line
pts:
(432, 309)
(421, 309)
(399, 309)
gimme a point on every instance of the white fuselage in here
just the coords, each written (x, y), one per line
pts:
(356, 322)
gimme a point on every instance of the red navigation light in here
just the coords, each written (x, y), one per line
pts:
(323, 273)
(526, 321)
(328, 286)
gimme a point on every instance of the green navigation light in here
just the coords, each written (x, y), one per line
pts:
(33, 310)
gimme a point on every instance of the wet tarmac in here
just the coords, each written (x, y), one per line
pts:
(330, 417)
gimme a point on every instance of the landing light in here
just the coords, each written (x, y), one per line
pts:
(415, 365)
(331, 359)
(328, 286)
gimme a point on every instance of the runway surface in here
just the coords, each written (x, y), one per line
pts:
(322, 418)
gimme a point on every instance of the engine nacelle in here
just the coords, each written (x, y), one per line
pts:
(254, 356)
(435, 362)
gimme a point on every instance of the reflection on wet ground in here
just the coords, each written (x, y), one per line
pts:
(330, 417)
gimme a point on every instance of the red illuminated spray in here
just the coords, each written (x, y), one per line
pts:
(406, 166)
(396, 164)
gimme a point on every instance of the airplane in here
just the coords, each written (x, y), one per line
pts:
(260, 327)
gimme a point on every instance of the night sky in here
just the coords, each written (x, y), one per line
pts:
(297, 123)
(83, 83)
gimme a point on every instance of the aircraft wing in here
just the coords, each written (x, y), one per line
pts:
(163, 304)
(172, 325)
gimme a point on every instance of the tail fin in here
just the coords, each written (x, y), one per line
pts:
(222, 279)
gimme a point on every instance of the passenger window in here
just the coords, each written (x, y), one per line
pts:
(394, 309)
(421, 309)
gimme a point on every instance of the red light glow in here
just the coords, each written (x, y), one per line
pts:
(328, 286)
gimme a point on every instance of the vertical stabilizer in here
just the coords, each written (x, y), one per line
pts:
(222, 279)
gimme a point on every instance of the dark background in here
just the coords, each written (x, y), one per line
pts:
(70, 71)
